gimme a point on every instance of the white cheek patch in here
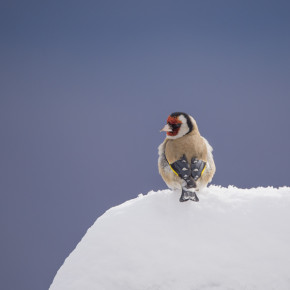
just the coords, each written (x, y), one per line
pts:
(184, 129)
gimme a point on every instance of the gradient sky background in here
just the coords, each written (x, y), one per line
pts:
(87, 85)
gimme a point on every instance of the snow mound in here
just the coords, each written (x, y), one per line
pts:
(232, 239)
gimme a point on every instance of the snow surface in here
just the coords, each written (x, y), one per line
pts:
(232, 239)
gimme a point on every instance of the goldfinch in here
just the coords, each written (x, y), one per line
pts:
(185, 157)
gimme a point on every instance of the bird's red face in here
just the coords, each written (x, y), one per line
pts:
(178, 125)
(173, 125)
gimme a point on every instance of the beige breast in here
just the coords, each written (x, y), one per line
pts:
(192, 145)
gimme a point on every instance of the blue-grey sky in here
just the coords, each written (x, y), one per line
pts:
(85, 87)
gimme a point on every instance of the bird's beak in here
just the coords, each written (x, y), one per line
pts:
(166, 128)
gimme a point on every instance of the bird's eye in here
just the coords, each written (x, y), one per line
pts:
(175, 126)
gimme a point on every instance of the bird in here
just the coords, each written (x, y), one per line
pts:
(185, 159)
